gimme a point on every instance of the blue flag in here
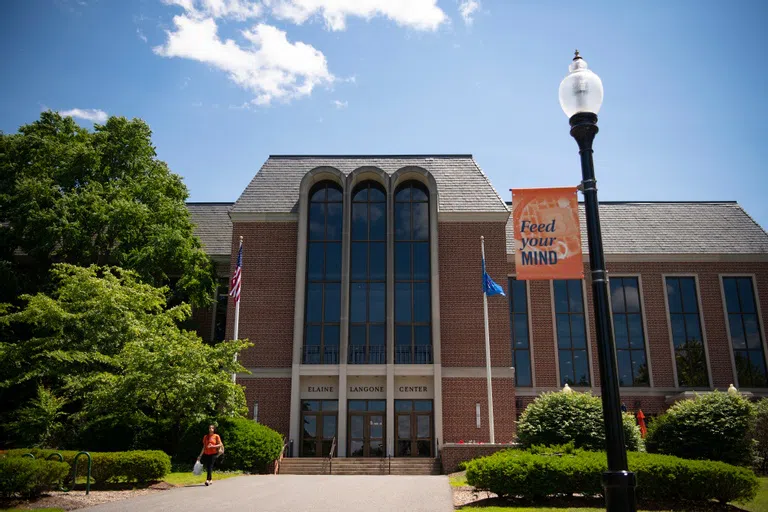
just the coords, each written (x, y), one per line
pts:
(489, 286)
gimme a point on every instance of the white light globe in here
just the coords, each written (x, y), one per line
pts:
(581, 90)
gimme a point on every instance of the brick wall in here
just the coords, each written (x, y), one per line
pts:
(202, 319)
(462, 332)
(459, 420)
(274, 397)
(267, 297)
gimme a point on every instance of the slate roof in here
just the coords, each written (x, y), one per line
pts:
(213, 226)
(461, 184)
(673, 228)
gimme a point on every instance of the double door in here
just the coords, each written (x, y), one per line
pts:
(366, 435)
(414, 423)
(319, 419)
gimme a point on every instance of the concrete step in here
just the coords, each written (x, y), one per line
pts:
(360, 466)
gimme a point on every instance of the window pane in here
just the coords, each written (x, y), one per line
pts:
(692, 327)
(421, 335)
(375, 194)
(378, 221)
(329, 426)
(317, 221)
(673, 295)
(746, 296)
(331, 336)
(358, 302)
(403, 194)
(330, 405)
(333, 225)
(403, 335)
(519, 299)
(402, 261)
(640, 368)
(635, 322)
(357, 335)
(402, 221)
(620, 331)
(313, 335)
(690, 305)
(581, 367)
(625, 367)
(377, 405)
(361, 194)
(521, 330)
(737, 331)
(757, 367)
(566, 368)
(315, 262)
(377, 303)
(731, 295)
(403, 405)
(752, 332)
(319, 194)
(423, 427)
(333, 261)
(378, 261)
(357, 405)
(421, 261)
(420, 221)
(310, 425)
(376, 335)
(334, 193)
(421, 302)
(314, 302)
(678, 329)
(359, 261)
(332, 302)
(632, 294)
(575, 296)
(563, 331)
(360, 221)
(418, 193)
(402, 302)
(522, 367)
(310, 405)
(578, 332)
(404, 427)
(561, 296)
(617, 295)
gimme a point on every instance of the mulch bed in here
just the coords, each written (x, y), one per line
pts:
(76, 499)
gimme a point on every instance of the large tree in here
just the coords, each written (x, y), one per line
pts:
(102, 197)
(105, 354)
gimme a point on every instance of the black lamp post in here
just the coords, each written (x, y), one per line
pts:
(581, 95)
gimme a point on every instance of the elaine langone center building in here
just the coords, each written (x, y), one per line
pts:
(362, 293)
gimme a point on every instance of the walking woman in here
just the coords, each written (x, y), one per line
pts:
(212, 448)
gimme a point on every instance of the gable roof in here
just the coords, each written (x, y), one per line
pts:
(461, 184)
(672, 228)
(212, 226)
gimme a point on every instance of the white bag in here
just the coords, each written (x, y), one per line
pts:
(198, 469)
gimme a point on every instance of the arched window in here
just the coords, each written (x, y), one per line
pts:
(368, 304)
(323, 311)
(413, 312)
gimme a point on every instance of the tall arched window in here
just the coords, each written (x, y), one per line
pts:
(321, 319)
(413, 312)
(367, 312)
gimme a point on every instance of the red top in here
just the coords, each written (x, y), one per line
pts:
(210, 441)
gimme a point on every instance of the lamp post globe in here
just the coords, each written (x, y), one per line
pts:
(581, 96)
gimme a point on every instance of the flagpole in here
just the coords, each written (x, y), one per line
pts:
(487, 353)
(237, 313)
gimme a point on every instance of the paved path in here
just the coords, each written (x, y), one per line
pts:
(299, 493)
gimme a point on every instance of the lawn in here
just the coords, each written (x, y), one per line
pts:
(187, 478)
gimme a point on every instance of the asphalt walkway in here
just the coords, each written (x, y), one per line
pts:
(298, 493)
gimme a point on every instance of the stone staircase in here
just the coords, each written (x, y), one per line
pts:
(359, 466)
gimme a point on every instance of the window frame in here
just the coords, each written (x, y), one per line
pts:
(756, 296)
(702, 326)
(511, 277)
(587, 319)
(646, 346)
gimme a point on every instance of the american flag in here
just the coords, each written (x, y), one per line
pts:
(234, 286)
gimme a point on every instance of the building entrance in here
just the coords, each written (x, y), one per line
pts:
(414, 422)
(366, 428)
(319, 419)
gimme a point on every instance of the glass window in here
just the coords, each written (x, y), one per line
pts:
(688, 343)
(323, 299)
(413, 310)
(571, 333)
(518, 321)
(746, 336)
(368, 299)
(628, 332)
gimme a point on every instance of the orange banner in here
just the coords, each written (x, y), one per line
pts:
(547, 233)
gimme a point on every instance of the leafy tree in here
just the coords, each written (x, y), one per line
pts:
(73, 196)
(40, 423)
(110, 346)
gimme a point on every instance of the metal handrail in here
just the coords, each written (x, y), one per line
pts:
(330, 456)
(280, 457)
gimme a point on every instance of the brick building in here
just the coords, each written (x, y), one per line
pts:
(362, 294)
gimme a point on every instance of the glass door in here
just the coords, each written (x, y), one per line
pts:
(319, 420)
(366, 428)
(414, 428)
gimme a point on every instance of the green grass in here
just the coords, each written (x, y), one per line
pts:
(458, 480)
(760, 503)
(187, 478)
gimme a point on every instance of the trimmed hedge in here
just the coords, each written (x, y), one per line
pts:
(521, 474)
(28, 478)
(561, 417)
(760, 434)
(713, 426)
(248, 446)
(112, 467)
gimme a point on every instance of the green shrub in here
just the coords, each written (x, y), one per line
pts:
(713, 426)
(760, 434)
(522, 474)
(112, 467)
(562, 417)
(28, 478)
(248, 446)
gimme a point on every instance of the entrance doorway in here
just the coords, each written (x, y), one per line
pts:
(367, 420)
(413, 419)
(319, 419)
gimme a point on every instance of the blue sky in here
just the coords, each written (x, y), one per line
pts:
(683, 118)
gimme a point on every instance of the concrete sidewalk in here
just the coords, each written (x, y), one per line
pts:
(298, 493)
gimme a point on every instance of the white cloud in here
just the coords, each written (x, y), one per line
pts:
(467, 8)
(271, 67)
(341, 104)
(89, 114)
(141, 35)
(236, 9)
(417, 14)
